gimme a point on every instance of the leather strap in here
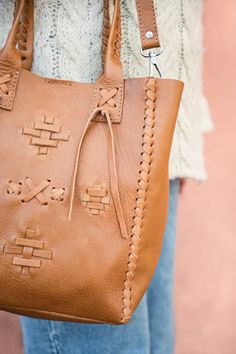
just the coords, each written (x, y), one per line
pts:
(113, 72)
(147, 24)
(25, 33)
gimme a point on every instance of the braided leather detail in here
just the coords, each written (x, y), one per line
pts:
(117, 49)
(23, 43)
(106, 29)
(106, 33)
(144, 175)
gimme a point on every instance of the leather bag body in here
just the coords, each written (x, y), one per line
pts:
(83, 187)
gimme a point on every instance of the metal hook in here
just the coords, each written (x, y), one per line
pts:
(154, 64)
(152, 55)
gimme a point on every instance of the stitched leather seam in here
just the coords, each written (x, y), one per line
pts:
(139, 212)
(154, 21)
(58, 82)
(141, 24)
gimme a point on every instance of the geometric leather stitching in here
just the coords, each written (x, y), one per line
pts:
(107, 98)
(3, 81)
(144, 176)
(95, 199)
(14, 188)
(106, 101)
(28, 252)
(45, 133)
(36, 191)
(58, 194)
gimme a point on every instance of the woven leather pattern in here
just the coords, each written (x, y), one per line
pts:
(46, 133)
(95, 199)
(145, 169)
(27, 252)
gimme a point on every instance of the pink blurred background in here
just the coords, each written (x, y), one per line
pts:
(206, 247)
(206, 240)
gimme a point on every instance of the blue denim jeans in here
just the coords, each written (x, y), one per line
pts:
(150, 331)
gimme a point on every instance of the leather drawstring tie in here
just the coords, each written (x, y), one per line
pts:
(112, 170)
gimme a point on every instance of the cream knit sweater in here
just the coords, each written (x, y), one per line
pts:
(68, 46)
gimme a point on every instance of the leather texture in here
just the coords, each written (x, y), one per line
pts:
(83, 185)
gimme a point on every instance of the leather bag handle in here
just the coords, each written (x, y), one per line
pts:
(25, 33)
(147, 25)
(112, 63)
(112, 78)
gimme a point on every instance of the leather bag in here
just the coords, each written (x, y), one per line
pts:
(83, 180)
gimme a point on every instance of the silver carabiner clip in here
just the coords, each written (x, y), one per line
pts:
(152, 55)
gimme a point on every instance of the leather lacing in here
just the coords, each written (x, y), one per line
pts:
(143, 182)
(23, 31)
(112, 170)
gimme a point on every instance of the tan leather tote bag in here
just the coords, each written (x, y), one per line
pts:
(83, 182)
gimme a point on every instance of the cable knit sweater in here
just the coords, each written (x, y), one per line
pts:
(68, 46)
